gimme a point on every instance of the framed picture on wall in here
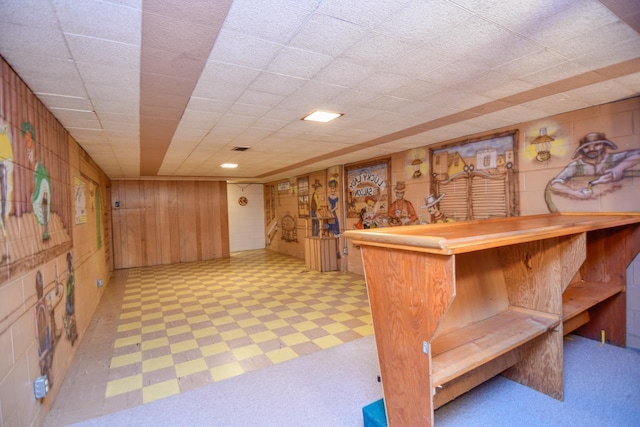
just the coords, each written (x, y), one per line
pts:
(368, 189)
(303, 197)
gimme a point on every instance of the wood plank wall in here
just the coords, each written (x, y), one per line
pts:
(167, 222)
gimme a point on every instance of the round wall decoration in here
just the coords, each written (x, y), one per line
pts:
(242, 201)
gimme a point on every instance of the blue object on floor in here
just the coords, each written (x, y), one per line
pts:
(374, 414)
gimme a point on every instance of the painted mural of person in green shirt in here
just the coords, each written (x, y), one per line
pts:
(41, 198)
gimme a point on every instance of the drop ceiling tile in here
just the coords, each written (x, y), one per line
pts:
(419, 62)
(100, 20)
(116, 77)
(167, 63)
(125, 95)
(104, 52)
(66, 87)
(555, 73)
(22, 13)
(117, 117)
(383, 82)
(327, 35)
(260, 98)
(531, 63)
(419, 20)
(601, 93)
(45, 41)
(174, 35)
(273, 20)
(209, 13)
(377, 50)
(612, 55)
(271, 124)
(298, 63)
(360, 12)
(248, 110)
(631, 81)
(240, 49)
(208, 105)
(344, 72)
(219, 92)
(105, 106)
(276, 83)
(232, 119)
(594, 41)
(61, 101)
(193, 119)
(220, 72)
(557, 104)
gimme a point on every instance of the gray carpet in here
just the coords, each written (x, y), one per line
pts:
(329, 388)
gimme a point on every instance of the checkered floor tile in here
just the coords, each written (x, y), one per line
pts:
(186, 325)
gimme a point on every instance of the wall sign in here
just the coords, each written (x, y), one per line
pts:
(367, 187)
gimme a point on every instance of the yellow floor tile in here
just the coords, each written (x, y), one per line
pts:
(327, 342)
(246, 352)
(160, 390)
(183, 346)
(154, 343)
(262, 337)
(124, 385)
(125, 359)
(123, 342)
(294, 339)
(281, 355)
(233, 334)
(191, 367)
(229, 370)
(157, 363)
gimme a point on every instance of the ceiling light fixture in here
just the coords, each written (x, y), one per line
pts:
(229, 165)
(321, 116)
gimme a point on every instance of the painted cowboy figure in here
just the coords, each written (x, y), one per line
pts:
(593, 165)
(432, 205)
(315, 205)
(401, 211)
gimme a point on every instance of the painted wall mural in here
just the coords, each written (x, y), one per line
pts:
(368, 193)
(475, 179)
(596, 169)
(34, 196)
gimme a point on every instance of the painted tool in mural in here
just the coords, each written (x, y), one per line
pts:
(6, 175)
(41, 198)
(595, 171)
(45, 322)
(69, 318)
(432, 205)
(401, 210)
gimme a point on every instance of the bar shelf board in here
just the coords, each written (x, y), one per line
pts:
(458, 352)
(581, 296)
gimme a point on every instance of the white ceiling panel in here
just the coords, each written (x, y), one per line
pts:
(397, 69)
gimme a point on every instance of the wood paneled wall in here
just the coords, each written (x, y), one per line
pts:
(167, 222)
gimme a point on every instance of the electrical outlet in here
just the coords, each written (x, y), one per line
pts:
(41, 387)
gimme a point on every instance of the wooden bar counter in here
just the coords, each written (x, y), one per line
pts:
(456, 304)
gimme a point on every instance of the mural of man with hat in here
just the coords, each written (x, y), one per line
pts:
(315, 205)
(593, 165)
(401, 211)
(432, 205)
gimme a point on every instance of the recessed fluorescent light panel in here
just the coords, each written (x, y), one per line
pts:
(229, 165)
(321, 116)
